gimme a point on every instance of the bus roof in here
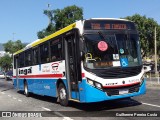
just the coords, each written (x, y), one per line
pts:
(74, 25)
(39, 41)
(108, 19)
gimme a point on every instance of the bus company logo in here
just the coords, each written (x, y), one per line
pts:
(112, 83)
(45, 69)
(25, 71)
(55, 66)
(134, 80)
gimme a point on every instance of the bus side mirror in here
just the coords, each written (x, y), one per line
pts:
(146, 68)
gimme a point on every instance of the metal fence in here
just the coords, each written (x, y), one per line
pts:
(152, 77)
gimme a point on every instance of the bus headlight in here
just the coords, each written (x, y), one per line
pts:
(94, 83)
(90, 82)
(98, 85)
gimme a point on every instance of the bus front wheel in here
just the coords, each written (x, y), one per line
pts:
(62, 95)
(26, 89)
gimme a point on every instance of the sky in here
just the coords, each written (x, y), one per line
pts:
(22, 19)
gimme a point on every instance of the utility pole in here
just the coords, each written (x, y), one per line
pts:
(13, 36)
(155, 44)
(49, 5)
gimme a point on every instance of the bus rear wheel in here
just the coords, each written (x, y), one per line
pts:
(26, 89)
(62, 95)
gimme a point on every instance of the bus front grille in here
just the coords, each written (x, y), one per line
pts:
(120, 72)
(116, 91)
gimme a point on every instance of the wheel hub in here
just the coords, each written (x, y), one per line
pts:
(62, 94)
(26, 89)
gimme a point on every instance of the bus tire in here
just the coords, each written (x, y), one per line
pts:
(62, 95)
(26, 89)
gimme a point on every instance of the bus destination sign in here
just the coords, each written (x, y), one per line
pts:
(97, 26)
(108, 25)
(103, 64)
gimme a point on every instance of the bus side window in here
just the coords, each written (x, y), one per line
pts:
(21, 60)
(56, 49)
(15, 59)
(35, 56)
(44, 53)
(28, 60)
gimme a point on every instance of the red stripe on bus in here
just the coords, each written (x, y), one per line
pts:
(44, 76)
(117, 86)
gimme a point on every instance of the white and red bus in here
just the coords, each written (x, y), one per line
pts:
(88, 61)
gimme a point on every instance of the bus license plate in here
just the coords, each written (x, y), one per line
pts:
(124, 91)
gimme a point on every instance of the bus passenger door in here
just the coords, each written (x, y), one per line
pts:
(72, 63)
(17, 76)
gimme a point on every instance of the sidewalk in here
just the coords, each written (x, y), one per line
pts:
(152, 83)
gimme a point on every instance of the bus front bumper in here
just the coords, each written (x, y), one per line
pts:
(92, 94)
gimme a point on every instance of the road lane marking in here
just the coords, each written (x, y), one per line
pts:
(151, 104)
(46, 109)
(9, 95)
(67, 118)
(14, 98)
(61, 115)
(20, 100)
(3, 93)
(58, 114)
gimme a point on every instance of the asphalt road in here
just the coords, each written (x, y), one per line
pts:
(16, 104)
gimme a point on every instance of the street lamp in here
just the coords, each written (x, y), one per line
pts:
(155, 44)
(13, 36)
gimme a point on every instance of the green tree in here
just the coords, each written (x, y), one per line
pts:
(12, 46)
(60, 18)
(50, 28)
(6, 62)
(50, 15)
(47, 31)
(146, 28)
(67, 16)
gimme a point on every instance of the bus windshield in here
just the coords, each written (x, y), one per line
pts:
(104, 50)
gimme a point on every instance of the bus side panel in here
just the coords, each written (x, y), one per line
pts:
(18, 84)
(82, 90)
(49, 87)
(43, 86)
(36, 86)
(14, 83)
(21, 84)
(46, 86)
